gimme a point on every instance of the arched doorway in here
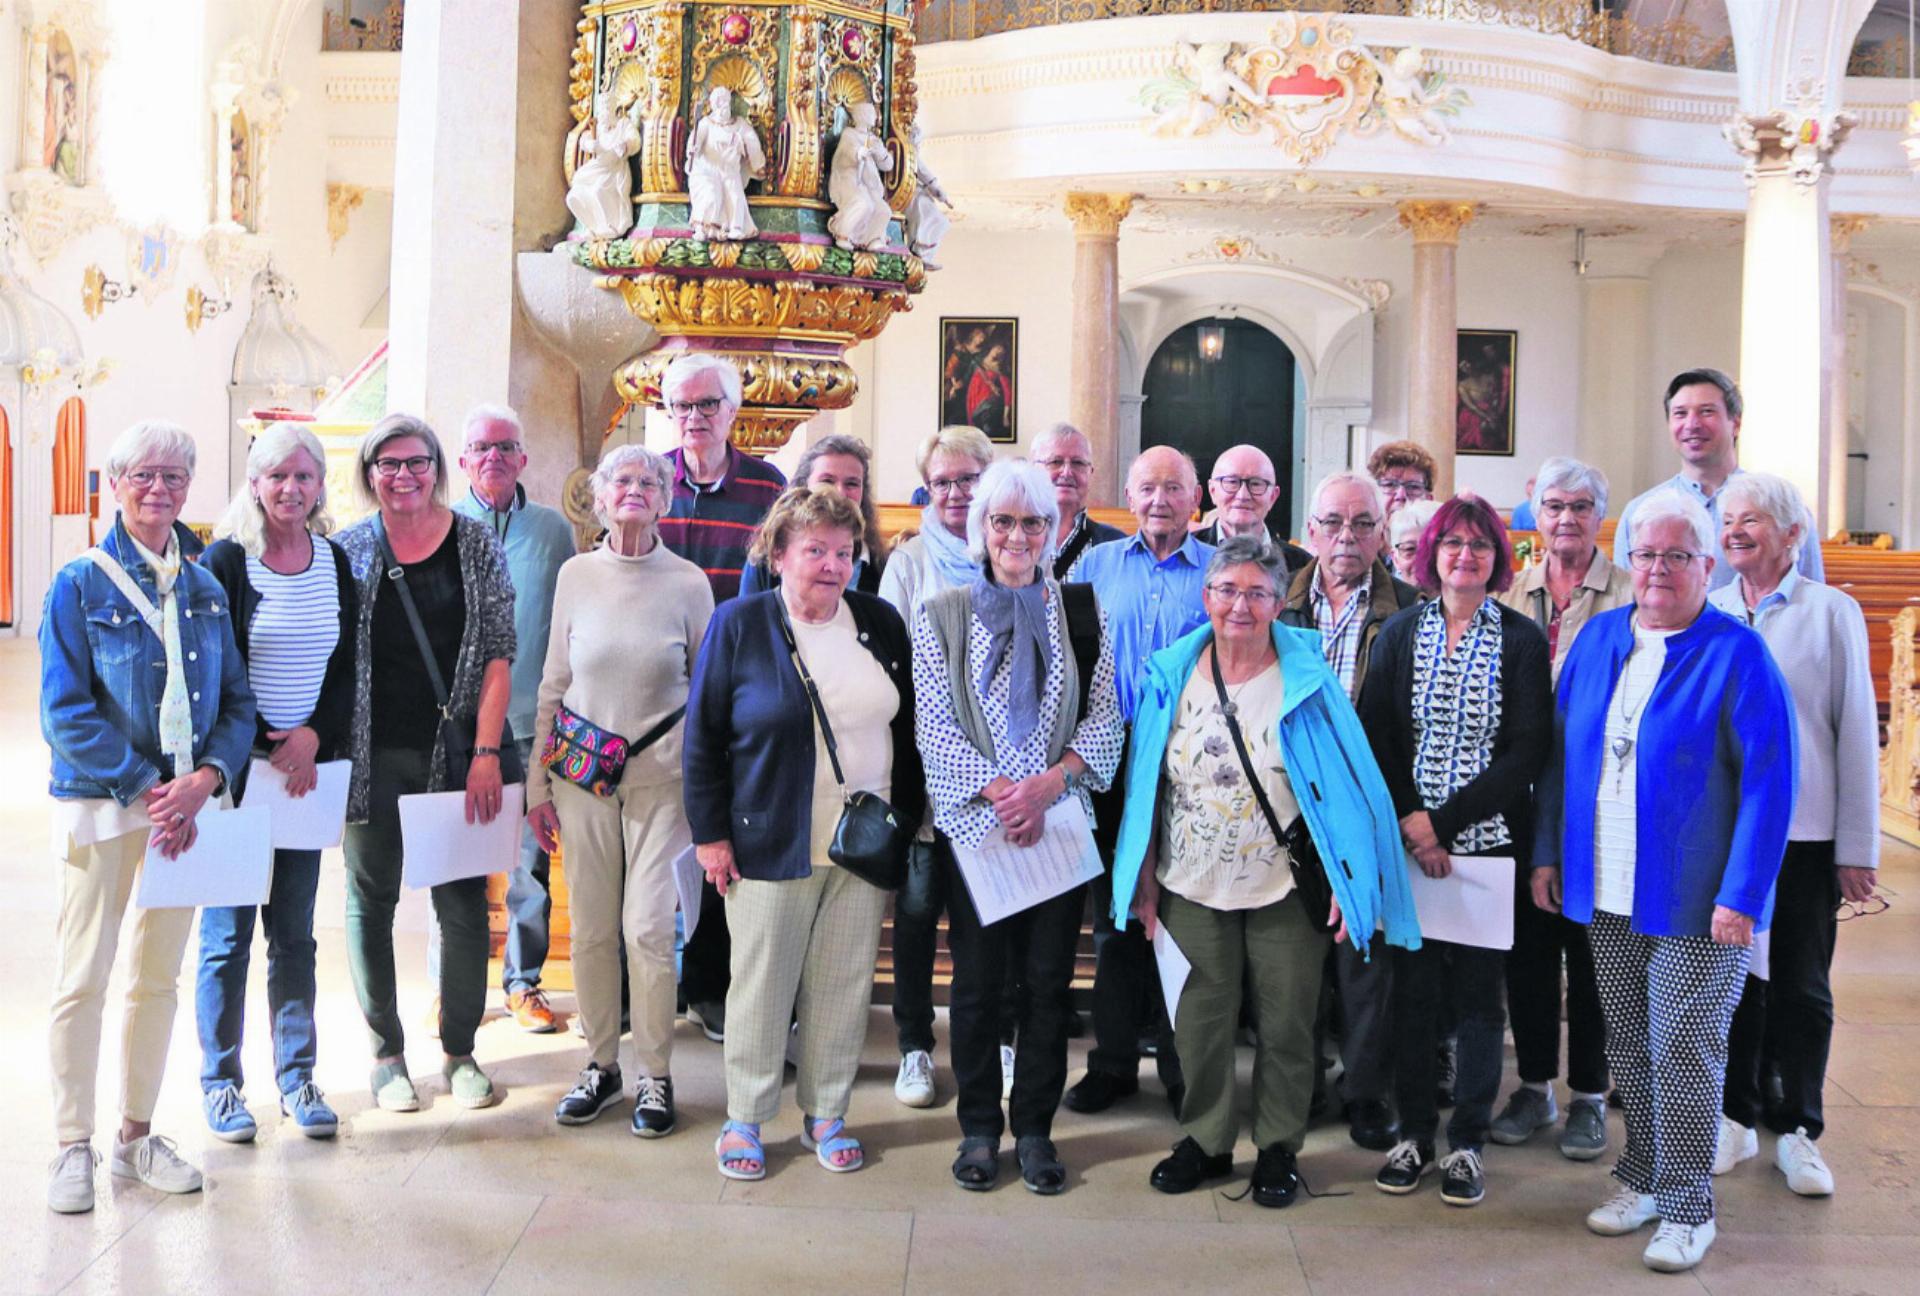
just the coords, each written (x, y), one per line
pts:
(1237, 388)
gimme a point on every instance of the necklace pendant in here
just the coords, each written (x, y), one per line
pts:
(1621, 747)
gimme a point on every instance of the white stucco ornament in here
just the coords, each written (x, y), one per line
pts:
(601, 193)
(860, 211)
(722, 156)
(926, 223)
(1414, 102)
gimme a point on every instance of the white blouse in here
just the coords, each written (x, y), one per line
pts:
(1616, 820)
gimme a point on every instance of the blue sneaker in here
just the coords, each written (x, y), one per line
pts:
(310, 1112)
(227, 1115)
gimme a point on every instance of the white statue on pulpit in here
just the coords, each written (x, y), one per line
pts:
(722, 156)
(926, 223)
(860, 211)
(601, 193)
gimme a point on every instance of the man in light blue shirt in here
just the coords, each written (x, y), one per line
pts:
(1703, 416)
(537, 540)
(1149, 586)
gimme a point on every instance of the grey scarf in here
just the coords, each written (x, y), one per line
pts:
(1012, 615)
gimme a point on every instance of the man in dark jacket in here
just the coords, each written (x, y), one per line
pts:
(1067, 456)
(1244, 489)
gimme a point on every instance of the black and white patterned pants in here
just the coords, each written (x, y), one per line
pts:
(1669, 1002)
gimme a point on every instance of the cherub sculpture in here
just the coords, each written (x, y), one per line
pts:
(1199, 90)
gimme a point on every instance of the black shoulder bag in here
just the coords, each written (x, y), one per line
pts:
(1303, 857)
(456, 736)
(871, 840)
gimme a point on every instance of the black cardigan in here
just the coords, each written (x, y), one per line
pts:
(1519, 749)
(333, 712)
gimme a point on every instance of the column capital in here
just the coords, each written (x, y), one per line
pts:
(1097, 215)
(1797, 142)
(1843, 228)
(1437, 222)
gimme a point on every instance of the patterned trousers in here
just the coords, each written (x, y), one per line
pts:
(1669, 1002)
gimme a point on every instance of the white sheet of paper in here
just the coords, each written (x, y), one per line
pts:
(687, 876)
(1473, 905)
(316, 821)
(1004, 879)
(229, 863)
(1174, 969)
(439, 844)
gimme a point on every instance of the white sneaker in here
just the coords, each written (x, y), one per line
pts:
(1736, 1143)
(1798, 1157)
(1006, 1072)
(914, 1085)
(156, 1162)
(70, 1181)
(1677, 1248)
(1625, 1212)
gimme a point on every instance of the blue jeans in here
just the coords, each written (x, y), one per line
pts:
(529, 911)
(220, 996)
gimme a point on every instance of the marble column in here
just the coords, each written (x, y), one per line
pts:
(1619, 408)
(1431, 382)
(1839, 439)
(1094, 346)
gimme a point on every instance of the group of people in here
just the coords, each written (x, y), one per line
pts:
(1669, 746)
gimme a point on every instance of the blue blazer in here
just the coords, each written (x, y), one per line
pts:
(1715, 766)
(748, 753)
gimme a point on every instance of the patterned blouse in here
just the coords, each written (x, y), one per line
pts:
(957, 770)
(1456, 715)
(489, 636)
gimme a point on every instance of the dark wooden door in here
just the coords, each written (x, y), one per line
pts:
(1204, 406)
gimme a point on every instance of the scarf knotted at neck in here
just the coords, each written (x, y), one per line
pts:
(1017, 621)
(947, 551)
(176, 710)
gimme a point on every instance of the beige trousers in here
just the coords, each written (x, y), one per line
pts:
(96, 886)
(807, 943)
(619, 862)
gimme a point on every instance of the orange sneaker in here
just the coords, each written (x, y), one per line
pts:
(531, 1009)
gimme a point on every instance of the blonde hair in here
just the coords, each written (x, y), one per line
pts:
(245, 521)
(802, 508)
(956, 438)
(392, 428)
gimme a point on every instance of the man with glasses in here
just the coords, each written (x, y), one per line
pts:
(1703, 416)
(537, 539)
(1066, 456)
(1245, 488)
(720, 496)
(1346, 593)
(1150, 586)
(1404, 473)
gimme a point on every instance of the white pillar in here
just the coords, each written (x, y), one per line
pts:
(1839, 419)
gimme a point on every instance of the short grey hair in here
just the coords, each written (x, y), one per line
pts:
(657, 465)
(1347, 477)
(1775, 496)
(955, 438)
(1020, 482)
(147, 439)
(487, 413)
(1668, 505)
(392, 428)
(688, 367)
(1570, 475)
(1411, 520)
(1238, 551)
(1059, 432)
(245, 521)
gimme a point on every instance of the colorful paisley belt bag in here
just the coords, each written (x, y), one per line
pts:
(593, 758)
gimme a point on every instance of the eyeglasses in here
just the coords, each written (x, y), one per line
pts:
(1407, 548)
(1230, 484)
(948, 485)
(1003, 524)
(486, 449)
(416, 466)
(1579, 508)
(1256, 598)
(171, 478)
(1643, 559)
(1479, 546)
(625, 482)
(708, 407)
(1061, 461)
(1410, 487)
(1848, 910)
(1362, 527)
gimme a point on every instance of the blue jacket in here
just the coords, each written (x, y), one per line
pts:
(1329, 762)
(1715, 764)
(748, 753)
(102, 672)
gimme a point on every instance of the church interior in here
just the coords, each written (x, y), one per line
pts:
(1494, 228)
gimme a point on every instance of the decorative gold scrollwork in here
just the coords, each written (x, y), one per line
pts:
(663, 35)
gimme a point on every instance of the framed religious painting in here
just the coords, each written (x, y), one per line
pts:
(979, 374)
(1483, 394)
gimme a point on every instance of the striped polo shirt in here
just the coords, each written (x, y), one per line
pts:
(712, 526)
(292, 636)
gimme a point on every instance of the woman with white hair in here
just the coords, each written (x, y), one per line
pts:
(1663, 814)
(1017, 713)
(1403, 536)
(607, 779)
(145, 704)
(951, 462)
(1818, 638)
(292, 598)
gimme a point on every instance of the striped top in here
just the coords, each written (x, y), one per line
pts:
(712, 525)
(292, 636)
(1616, 811)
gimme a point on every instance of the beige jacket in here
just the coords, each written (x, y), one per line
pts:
(1606, 587)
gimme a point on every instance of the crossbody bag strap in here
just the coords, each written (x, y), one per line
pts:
(1240, 746)
(143, 605)
(813, 697)
(655, 734)
(398, 575)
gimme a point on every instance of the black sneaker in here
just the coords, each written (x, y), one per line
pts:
(1276, 1177)
(653, 1107)
(1099, 1090)
(711, 1018)
(1189, 1167)
(1373, 1126)
(595, 1091)
(1461, 1181)
(1407, 1164)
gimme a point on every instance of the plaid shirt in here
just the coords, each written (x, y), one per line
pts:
(1340, 635)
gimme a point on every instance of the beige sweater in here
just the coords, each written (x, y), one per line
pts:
(621, 652)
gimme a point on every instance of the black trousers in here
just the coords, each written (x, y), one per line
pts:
(706, 964)
(1127, 1002)
(1789, 1017)
(916, 933)
(1540, 941)
(1438, 980)
(1038, 945)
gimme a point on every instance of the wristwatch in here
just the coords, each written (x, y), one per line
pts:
(1069, 781)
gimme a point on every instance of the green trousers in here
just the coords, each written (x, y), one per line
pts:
(1277, 950)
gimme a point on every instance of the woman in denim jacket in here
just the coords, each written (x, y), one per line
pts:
(145, 703)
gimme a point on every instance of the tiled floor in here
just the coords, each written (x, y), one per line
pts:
(503, 1200)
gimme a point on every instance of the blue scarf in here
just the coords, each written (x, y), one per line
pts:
(946, 551)
(1012, 615)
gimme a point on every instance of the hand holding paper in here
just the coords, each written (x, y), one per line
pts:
(315, 821)
(441, 846)
(230, 862)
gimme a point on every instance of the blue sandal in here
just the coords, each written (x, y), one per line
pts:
(832, 1139)
(731, 1159)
